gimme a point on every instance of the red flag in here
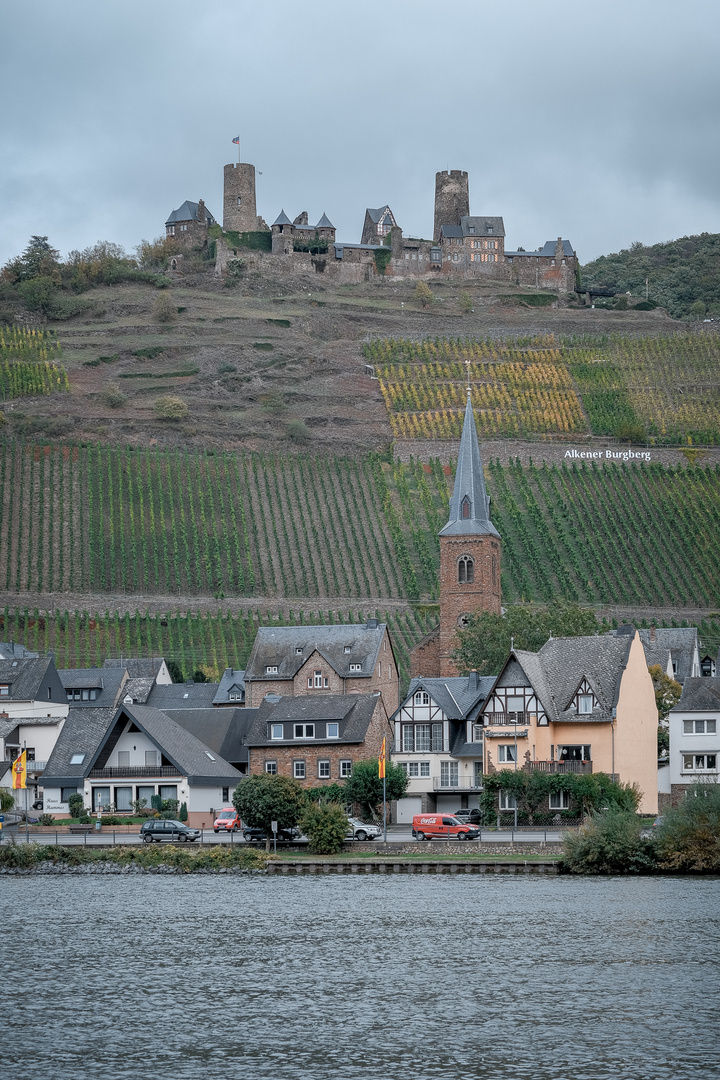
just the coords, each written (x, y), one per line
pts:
(381, 762)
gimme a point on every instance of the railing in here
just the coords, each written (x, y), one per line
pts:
(463, 783)
(32, 766)
(134, 772)
(507, 719)
(559, 766)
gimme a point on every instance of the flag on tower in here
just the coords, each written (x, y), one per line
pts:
(381, 762)
(19, 771)
(236, 139)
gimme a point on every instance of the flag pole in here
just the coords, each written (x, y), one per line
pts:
(27, 810)
(384, 812)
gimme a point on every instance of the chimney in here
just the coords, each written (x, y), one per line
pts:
(653, 635)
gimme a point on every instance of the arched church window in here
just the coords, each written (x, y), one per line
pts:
(466, 570)
(465, 508)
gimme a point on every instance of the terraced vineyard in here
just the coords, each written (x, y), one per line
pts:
(665, 390)
(28, 363)
(212, 642)
(91, 520)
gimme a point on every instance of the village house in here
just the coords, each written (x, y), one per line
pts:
(694, 738)
(316, 739)
(33, 709)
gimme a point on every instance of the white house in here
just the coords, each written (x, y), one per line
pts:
(33, 709)
(694, 736)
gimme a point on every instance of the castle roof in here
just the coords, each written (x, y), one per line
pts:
(375, 215)
(470, 486)
(451, 230)
(547, 251)
(282, 219)
(482, 226)
(324, 223)
(189, 212)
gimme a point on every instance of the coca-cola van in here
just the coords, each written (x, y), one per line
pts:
(442, 826)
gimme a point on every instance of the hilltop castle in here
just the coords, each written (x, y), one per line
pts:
(463, 246)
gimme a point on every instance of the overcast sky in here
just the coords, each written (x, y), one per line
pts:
(597, 122)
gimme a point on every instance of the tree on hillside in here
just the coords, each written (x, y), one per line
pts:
(262, 799)
(484, 644)
(364, 786)
(667, 695)
(38, 260)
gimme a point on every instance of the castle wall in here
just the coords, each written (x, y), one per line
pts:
(452, 199)
(239, 206)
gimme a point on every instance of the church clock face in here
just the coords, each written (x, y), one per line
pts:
(463, 620)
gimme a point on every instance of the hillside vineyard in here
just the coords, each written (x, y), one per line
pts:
(104, 520)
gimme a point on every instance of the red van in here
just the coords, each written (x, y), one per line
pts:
(442, 826)
(228, 819)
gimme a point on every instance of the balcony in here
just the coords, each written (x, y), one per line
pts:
(582, 767)
(33, 767)
(463, 783)
(135, 772)
(513, 719)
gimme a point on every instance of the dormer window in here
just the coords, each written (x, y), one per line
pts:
(332, 731)
(422, 698)
(298, 650)
(465, 508)
(585, 703)
(271, 669)
(4, 690)
(471, 229)
(489, 230)
(276, 731)
(347, 648)
(304, 731)
(585, 700)
(466, 570)
(356, 667)
(234, 695)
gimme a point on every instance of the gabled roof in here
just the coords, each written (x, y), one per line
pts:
(469, 484)
(456, 695)
(25, 677)
(324, 223)
(282, 219)
(13, 650)
(222, 730)
(109, 681)
(276, 646)
(189, 695)
(82, 733)
(682, 641)
(139, 690)
(482, 226)
(353, 712)
(700, 694)
(188, 212)
(380, 212)
(138, 667)
(451, 230)
(232, 681)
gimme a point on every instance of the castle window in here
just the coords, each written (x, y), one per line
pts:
(489, 229)
(239, 200)
(471, 230)
(491, 245)
(491, 258)
(171, 230)
(466, 570)
(183, 228)
(465, 508)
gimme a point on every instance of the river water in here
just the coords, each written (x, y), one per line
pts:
(367, 978)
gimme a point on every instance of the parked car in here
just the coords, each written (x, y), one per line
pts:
(359, 830)
(442, 826)
(470, 817)
(227, 819)
(252, 833)
(159, 829)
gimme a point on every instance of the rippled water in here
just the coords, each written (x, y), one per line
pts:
(416, 978)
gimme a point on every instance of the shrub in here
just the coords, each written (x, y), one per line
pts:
(85, 819)
(611, 842)
(466, 303)
(183, 815)
(113, 396)
(325, 827)
(47, 819)
(646, 305)
(298, 431)
(7, 800)
(170, 407)
(233, 273)
(688, 838)
(423, 294)
(75, 804)
(164, 310)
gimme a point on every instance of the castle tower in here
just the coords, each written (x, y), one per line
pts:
(239, 208)
(452, 199)
(469, 548)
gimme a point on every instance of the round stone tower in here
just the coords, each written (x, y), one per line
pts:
(239, 209)
(452, 199)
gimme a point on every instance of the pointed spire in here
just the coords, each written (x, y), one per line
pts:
(469, 505)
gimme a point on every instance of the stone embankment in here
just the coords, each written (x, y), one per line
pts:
(554, 452)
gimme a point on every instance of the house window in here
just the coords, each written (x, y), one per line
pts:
(407, 739)
(323, 770)
(271, 768)
(574, 753)
(77, 759)
(515, 710)
(507, 754)
(489, 230)
(171, 230)
(234, 695)
(304, 731)
(276, 731)
(345, 769)
(559, 800)
(332, 731)
(476, 243)
(491, 244)
(416, 768)
(271, 669)
(123, 759)
(421, 698)
(448, 774)
(151, 759)
(471, 230)
(226, 794)
(66, 792)
(700, 763)
(491, 258)
(168, 791)
(423, 737)
(123, 798)
(318, 680)
(585, 703)
(356, 667)
(478, 733)
(100, 798)
(299, 770)
(478, 774)
(507, 801)
(435, 255)
(465, 508)
(699, 727)
(183, 228)
(466, 570)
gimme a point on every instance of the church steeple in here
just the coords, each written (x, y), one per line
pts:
(469, 505)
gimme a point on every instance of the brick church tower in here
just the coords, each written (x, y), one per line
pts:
(469, 559)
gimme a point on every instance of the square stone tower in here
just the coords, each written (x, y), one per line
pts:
(452, 199)
(239, 207)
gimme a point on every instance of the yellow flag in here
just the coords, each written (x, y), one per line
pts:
(19, 771)
(381, 761)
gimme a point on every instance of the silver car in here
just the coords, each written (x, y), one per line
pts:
(358, 830)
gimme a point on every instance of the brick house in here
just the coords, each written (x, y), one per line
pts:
(316, 739)
(294, 661)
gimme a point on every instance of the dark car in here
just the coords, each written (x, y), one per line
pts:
(469, 817)
(167, 830)
(252, 833)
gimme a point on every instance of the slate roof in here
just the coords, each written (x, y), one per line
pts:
(470, 483)
(282, 219)
(189, 212)
(547, 251)
(24, 676)
(187, 695)
(480, 225)
(138, 667)
(275, 646)
(138, 690)
(451, 230)
(456, 695)
(233, 680)
(222, 730)
(699, 694)
(352, 711)
(109, 681)
(681, 641)
(380, 212)
(82, 733)
(188, 754)
(365, 247)
(324, 223)
(13, 650)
